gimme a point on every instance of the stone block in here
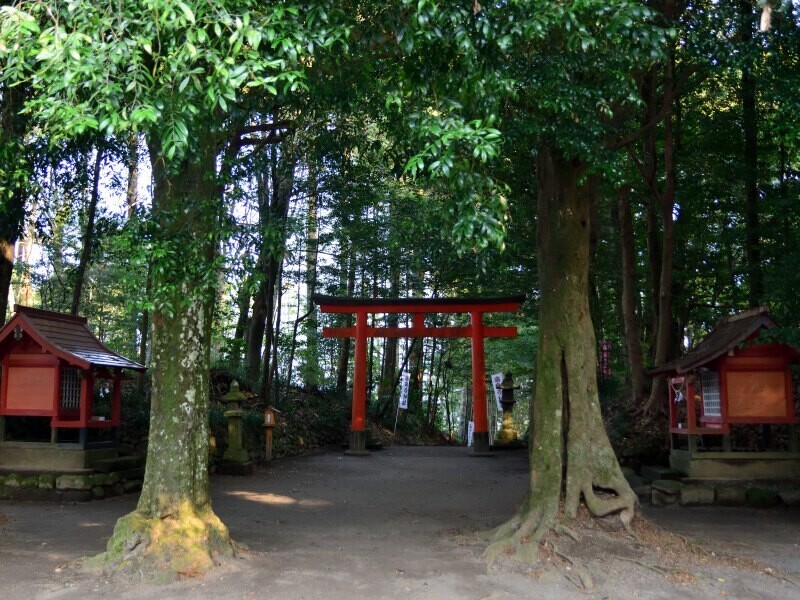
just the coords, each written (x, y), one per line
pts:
(12, 481)
(20, 482)
(655, 473)
(696, 495)
(644, 493)
(100, 479)
(627, 472)
(664, 492)
(47, 481)
(132, 485)
(74, 482)
(731, 495)
(99, 492)
(762, 498)
(667, 486)
(117, 489)
(659, 498)
(790, 497)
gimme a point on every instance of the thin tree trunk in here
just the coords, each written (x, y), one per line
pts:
(13, 186)
(6, 273)
(343, 365)
(273, 211)
(633, 339)
(283, 165)
(144, 328)
(656, 403)
(88, 235)
(312, 374)
(750, 128)
(132, 191)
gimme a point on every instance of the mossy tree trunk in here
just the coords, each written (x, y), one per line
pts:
(174, 532)
(571, 458)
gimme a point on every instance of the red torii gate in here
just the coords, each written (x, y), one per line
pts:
(418, 307)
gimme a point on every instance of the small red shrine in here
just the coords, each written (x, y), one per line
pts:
(720, 389)
(58, 381)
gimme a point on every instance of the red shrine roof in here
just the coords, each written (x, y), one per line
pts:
(728, 334)
(66, 336)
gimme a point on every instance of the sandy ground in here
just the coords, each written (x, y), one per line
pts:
(399, 524)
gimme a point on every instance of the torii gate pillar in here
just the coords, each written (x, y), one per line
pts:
(418, 307)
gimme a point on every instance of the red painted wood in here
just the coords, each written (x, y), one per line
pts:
(479, 415)
(422, 305)
(427, 332)
(359, 409)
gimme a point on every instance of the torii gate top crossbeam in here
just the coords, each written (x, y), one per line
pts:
(332, 304)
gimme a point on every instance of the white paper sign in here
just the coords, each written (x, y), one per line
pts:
(497, 379)
(470, 431)
(404, 379)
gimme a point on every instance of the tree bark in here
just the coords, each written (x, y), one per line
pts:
(312, 374)
(132, 191)
(570, 453)
(656, 403)
(88, 235)
(13, 186)
(174, 529)
(633, 339)
(7, 244)
(342, 367)
(755, 274)
(274, 196)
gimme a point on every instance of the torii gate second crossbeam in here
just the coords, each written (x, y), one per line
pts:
(418, 307)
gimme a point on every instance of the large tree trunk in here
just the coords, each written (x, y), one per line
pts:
(174, 529)
(570, 454)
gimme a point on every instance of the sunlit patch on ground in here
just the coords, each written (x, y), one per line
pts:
(279, 500)
(91, 524)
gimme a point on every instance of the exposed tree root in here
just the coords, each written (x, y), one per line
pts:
(577, 574)
(186, 544)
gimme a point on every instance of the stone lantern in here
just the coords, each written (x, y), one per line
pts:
(236, 460)
(507, 436)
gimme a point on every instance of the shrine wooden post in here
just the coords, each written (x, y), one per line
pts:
(477, 331)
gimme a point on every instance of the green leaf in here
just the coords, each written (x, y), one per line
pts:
(187, 12)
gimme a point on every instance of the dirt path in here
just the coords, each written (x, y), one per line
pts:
(397, 524)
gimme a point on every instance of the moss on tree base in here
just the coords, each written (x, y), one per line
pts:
(188, 543)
